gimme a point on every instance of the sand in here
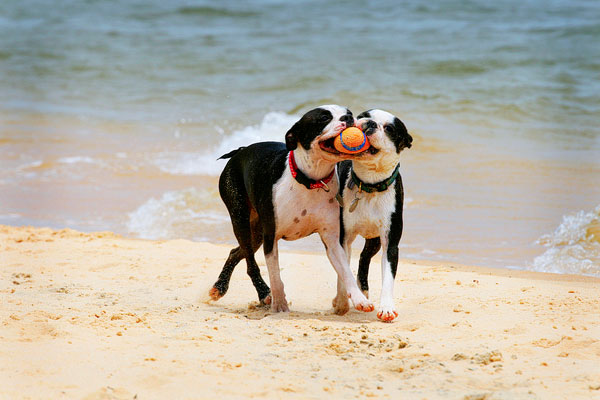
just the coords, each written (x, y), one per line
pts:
(97, 316)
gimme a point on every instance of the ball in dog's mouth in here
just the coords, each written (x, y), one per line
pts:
(327, 145)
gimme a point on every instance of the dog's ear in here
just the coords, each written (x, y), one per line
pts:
(291, 141)
(402, 138)
(408, 140)
(364, 114)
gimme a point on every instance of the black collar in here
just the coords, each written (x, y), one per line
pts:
(376, 187)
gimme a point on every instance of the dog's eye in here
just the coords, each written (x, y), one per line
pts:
(324, 118)
(389, 128)
(370, 125)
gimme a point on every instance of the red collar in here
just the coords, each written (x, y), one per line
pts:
(305, 180)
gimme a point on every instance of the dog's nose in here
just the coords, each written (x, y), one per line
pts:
(348, 119)
(369, 127)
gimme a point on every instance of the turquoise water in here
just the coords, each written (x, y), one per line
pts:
(213, 61)
(112, 113)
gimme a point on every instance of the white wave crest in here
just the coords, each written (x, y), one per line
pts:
(574, 247)
(272, 128)
(77, 159)
(177, 214)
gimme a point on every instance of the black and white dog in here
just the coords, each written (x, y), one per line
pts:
(373, 198)
(287, 191)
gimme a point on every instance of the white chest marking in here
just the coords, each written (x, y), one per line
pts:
(372, 216)
(300, 212)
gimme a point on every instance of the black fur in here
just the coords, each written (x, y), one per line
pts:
(399, 134)
(312, 122)
(250, 206)
(396, 131)
(364, 114)
(246, 188)
(373, 245)
(371, 248)
(343, 172)
(230, 154)
(395, 233)
(303, 131)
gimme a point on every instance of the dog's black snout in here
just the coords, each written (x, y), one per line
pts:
(348, 119)
(369, 127)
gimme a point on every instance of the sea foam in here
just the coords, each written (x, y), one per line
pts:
(272, 128)
(574, 247)
(177, 213)
(76, 160)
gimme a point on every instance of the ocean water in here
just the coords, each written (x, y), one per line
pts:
(112, 114)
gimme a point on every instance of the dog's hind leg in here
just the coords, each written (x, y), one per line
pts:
(249, 236)
(371, 248)
(248, 233)
(222, 284)
(262, 289)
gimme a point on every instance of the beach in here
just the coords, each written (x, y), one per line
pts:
(100, 316)
(113, 117)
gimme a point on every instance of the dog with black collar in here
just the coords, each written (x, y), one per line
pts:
(287, 191)
(372, 198)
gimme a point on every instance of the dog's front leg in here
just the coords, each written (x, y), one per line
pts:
(340, 301)
(389, 263)
(339, 260)
(279, 303)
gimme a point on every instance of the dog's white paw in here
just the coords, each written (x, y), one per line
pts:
(361, 303)
(387, 314)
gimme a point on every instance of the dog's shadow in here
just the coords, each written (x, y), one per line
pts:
(256, 311)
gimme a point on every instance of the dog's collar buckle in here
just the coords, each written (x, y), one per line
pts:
(305, 180)
(325, 187)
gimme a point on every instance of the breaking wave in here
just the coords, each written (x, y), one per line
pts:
(272, 128)
(574, 247)
(176, 214)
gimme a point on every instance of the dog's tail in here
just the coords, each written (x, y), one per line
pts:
(231, 153)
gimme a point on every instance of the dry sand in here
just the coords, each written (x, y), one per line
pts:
(96, 316)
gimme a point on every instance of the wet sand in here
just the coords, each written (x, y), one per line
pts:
(98, 316)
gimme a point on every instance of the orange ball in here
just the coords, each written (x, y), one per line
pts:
(352, 140)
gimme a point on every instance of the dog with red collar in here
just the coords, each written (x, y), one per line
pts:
(287, 191)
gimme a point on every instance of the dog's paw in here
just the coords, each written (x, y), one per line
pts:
(361, 303)
(279, 306)
(387, 314)
(215, 294)
(341, 305)
(362, 288)
(266, 301)
(366, 306)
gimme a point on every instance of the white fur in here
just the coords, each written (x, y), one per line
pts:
(300, 212)
(372, 216)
